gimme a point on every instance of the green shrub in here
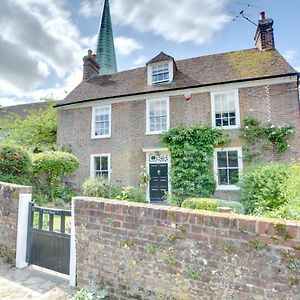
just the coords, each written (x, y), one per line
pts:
(40, 200)
(15, 179)
(201, 203)
(237, 207)
(289, 210)
(132, 194)
(96, 187)
(14, 160)
(272, 190)
(52, 166)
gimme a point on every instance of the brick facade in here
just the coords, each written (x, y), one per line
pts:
(156, 252)
(277, 103)
(9, 205)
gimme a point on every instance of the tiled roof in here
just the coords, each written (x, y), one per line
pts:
(193, 72)
(160, 57)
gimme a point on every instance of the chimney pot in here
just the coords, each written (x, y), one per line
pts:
(90, 66)
(262, 15)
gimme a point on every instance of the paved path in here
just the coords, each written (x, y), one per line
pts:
(32, 283)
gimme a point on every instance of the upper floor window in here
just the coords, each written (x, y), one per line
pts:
(225, 109)
(157, 112)
(160, 73)
(101, 122)
(100, 166)
(228, 166)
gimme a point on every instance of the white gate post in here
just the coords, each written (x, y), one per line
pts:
(72, 277)
(24, 200)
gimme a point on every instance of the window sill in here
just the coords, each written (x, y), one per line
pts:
(155, 133)
(227, 127)
(101, 137)
(227, 188)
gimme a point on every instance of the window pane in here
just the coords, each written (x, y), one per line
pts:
(218, 122)
(222, 159)
(97, 164)
(233, 159)
(233, 176)
(222, 178)
(104, 163)
(232, 121)
(104, 174)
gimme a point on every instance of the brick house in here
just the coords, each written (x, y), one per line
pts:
(114, 122)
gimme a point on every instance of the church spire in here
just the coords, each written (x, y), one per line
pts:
(106, 56)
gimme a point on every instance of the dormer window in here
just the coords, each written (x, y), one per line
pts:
(161, 69)
(160, 73)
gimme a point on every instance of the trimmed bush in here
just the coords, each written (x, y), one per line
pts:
(14, 160)
(96, 187)
(201, 203)
(237, 207)
(271, 190)
(50, 167)
(132, 194)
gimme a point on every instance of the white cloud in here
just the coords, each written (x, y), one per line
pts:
(90, 8)
(6, 101)
(36, 37)
(189, 20)
(125, 45)
(140, 61)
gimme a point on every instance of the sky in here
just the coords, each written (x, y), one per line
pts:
(42, 42)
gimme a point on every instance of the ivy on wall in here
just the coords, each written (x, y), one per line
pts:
(264, 138)
(192, 154)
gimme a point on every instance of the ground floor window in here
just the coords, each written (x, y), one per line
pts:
(228, 166)
(100, 166)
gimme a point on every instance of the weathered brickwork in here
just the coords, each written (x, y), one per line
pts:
(277, 103)
(156, 252)
(9, 205)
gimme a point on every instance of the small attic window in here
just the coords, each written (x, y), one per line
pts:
(160, 73)
(161, 69)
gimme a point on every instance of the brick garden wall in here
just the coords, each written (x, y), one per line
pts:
(156, 252)
(9, 205)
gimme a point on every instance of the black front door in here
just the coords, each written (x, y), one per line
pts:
(158, 181)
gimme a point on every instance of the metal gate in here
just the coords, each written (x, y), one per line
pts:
(48, 242)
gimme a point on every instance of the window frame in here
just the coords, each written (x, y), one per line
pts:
(150, 72)
(231, 187)
(92, 164)
(93, 135)
(148, 102)
(237, 109)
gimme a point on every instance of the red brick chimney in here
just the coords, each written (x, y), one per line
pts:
(90, 66)
(264, 37)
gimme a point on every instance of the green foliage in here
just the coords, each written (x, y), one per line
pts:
(144, 178)
(14, 160)
(192, 272)
(150, 248)
(272, 190)
(237, 207)
(15, 179)
(192, 152)
(174, 201)
(36, 132)
(96, 187)
(132, 194)
(49, 167)
(261, 138)
(201, 203)
(90, 294)
(54, 163)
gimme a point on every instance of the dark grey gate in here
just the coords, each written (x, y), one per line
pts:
(48, 243)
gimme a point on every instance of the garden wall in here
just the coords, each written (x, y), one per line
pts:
(9, 205)
(155, 252)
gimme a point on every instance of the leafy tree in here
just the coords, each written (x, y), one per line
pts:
(37, 131)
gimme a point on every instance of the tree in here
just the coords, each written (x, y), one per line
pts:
(37, 131)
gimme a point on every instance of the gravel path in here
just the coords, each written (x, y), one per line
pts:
(32, 283)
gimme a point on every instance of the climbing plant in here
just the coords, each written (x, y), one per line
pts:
(264, 138)
(192, 154)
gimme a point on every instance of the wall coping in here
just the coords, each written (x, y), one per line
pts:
(24, 189)
(189, 210)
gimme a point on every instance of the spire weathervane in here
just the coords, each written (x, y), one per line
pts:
(106, 56)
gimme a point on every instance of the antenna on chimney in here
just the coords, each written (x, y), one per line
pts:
(241, 14)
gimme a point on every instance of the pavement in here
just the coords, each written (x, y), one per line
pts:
(32, 283)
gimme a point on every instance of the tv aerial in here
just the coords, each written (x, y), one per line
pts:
(241, 14)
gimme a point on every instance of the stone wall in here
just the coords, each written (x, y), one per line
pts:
(156, 252)
(9, 205)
